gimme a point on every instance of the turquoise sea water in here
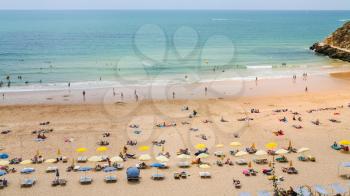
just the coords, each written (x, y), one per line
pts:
(51, 48)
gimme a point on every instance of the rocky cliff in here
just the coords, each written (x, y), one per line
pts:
(337, 45)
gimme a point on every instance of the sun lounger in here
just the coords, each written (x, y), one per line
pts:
(27, 183)
(82, 159)
(3, 183)
(183, 164)
(110, 179)
(85, 180)
(61, 182)
(260, 161)
(241, 162)
(338, 189)
(320, 190)
(244, 194)
(303, 191)
(158, 176)
(51, 169)
(204, 174)
(263, 193)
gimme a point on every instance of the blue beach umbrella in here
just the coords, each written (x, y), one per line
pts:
(157, 165)
(4, 156)
(84, 169)
(27, 170)
(109, 169)
(2, 173)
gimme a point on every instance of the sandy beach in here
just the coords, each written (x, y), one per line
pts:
(83, 123)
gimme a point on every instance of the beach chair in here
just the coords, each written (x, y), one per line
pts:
(263, 193)
(241, 162)
(82, 159)
(51, 169)
(244, 194)
(3, 183)
(85, 180)
(183, 164)
(320, 190)
(133, 174)
(338, 189)
(157, 176)
(204, 174)
(110, 179)
(303, 191)
(61, 182)
(27, 183)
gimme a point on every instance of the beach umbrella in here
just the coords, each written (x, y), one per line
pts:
(4, 163)
(183, 156)
(26, 162)
(84, 169)
(143, 148)
(281, 151)
(219, 145)
(109, 169)
(235, 144)
(241, 153)
(102, 149)
(95, 159)
(253, 145)
(145, 157)
(27, 170)
(204, 166)
(157, 165)
(2, 172)
(202, 156)
(261, 153)
(290, 164)
(344, 142)
(200, 146)
(301, 150)
(50, 161)
(4, 156)
(271, 145)
(290, 143)
(117, 159)
(58, 152)
(162, 158)
(81, 150)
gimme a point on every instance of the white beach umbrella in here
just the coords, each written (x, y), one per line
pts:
(4, 163)
(145, 157)
(261, 153)
(301, 150)
(281, 151)
(202, 156)
(95, 159)
(183, 156)
(117, 159)
(50, 160)
(162, 158)
(241, 153)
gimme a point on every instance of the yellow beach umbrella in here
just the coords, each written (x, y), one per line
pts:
(4, 163)
(145, 157)
(200, 146)
(204, 166)
(344, 142)
(25, 162)
(202, 156)
(241, 153)
(50, 160)
(290, 164)
(183, 156)
(58, 152)
(281, 151)
(301, 150)
(117, 159)
(81, 150)
(95, 159)
(101, 149)
(250, 164)
(162, 158)
(253, 145)
(271, 145)
(219, 145)
(143, 148)
(261, 153)
(235, 144)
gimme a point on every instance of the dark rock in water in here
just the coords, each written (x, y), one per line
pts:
(337, 45)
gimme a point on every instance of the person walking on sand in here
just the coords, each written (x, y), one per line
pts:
(306, 89)
(173, 95)
(84, 95)
(206, 91)
(121, 96)
(68, 84)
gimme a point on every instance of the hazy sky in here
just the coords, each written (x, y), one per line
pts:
(177, 4)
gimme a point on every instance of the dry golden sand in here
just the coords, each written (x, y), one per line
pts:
(86, 123)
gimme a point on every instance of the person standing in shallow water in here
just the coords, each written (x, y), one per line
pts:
(173, 95)
(205, 91)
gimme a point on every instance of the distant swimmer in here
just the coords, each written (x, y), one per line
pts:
(113, 93)
(68, 84)
(122, 95)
